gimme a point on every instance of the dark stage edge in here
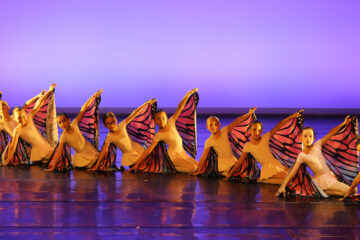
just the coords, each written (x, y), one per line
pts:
(82, 205)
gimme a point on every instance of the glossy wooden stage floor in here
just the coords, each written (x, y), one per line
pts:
(82, 205)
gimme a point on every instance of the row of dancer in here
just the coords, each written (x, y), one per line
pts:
(32, 136)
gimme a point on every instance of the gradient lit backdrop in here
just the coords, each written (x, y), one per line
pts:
(238, 53)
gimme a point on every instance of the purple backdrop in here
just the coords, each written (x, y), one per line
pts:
(238, 53)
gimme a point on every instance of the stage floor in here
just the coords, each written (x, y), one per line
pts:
(82, 205)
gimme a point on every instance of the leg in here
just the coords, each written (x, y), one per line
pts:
(275, 179)
(337, 189)
(185, 164)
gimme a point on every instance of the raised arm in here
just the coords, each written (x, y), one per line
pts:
(103, 152)
(333, 131)
(237, 165)
(241, 118)
(12, 147)
(30, 101)
(56, 158)
(138, 110)
(290, 176)
(182, 103)
(86, 105)
(283, 122)
(202, 161)
(41, 100)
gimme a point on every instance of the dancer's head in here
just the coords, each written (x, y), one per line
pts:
(161, 118)
(307, 136)
(357, 145)
(110, 121)
(63, 120)
(213, 124)
(4, 107)
(19, 115)
(256, 129)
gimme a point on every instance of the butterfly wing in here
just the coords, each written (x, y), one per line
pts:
(142, 128)
(303, 185)
(158, 161)
(286, 143)
(239, 135)
(89, 123)
(186, 124)
(248, 170)
(340, 152)
(64, 163)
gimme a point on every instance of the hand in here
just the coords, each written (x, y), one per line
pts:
(43, 92)
(252, 110)
(52, 87)
(297, 114)
(98, 93)
(192, 91)
(346, 194)
(347, 120)
(281, 191)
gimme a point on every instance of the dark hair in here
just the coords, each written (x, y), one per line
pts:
(108, 114)
(160, 111)
(63, 114)
(357, 142)
(256, 122)
(17, 109)
(307, 128)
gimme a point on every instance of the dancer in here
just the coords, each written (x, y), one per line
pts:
(331, 158)
(7, 125)
(131, 136)
(35, 127)
(178, 132)
(224, 145)
(81, 135)
(272, 150)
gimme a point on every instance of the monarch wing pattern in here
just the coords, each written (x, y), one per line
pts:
(108, 161)
(158, 161)
(89, 123)
(210, 167)
(303, 185)
(186, 124)
(239, 135)
(248, 170)
(286, 143)
(20, 155)
(4, 140)
(45, 118)
(64, 163)
(142, 128)
(340, 152)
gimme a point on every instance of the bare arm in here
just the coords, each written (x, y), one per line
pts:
(290, 176)
(41, 100)
(353, 185)
(103, 152)
(202, 161)
(333, 131)
(12, 148)
(182, 103)
(30, 101)
(237, 165)
(138, 110)
(56, 158)
(86, 105)
(240, 119)
(283, 122)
